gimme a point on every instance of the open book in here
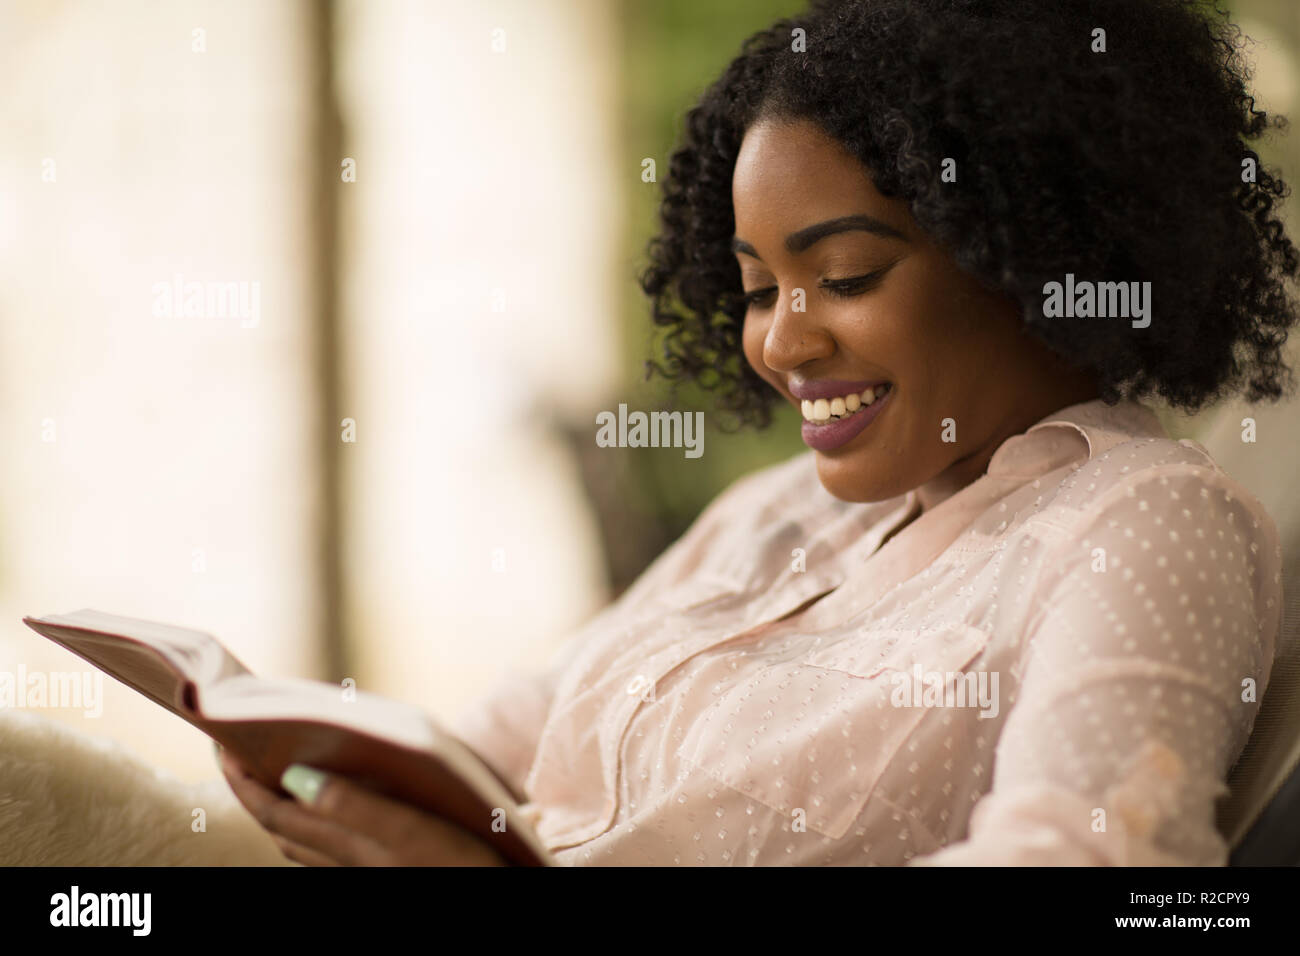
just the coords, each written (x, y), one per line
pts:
(393, 748)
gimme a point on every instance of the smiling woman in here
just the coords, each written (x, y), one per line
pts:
(890, 311)
(994, 615)
(861, 222)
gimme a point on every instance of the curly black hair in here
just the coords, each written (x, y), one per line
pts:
(1125, 165)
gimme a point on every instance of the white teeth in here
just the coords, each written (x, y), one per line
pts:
(823, 410)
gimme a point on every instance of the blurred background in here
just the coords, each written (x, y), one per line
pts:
(371, 455)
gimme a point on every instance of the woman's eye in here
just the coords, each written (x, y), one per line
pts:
(854, 285)
(843, 288)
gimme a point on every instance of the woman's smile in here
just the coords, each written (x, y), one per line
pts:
(846, 298)
(830, 423)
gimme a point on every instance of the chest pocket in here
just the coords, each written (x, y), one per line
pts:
(811, 737)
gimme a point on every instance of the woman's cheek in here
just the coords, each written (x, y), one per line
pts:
(753, 334)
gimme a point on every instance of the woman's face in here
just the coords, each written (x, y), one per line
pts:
(854, 303)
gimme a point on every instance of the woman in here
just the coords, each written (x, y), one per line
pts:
(994, 614)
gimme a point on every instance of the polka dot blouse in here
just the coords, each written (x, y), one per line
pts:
(1058, 664)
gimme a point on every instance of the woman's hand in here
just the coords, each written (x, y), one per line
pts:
(335, 822)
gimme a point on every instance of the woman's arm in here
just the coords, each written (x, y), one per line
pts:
(504, 726)
(1153, 645)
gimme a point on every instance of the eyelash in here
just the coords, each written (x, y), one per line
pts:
(842, 288)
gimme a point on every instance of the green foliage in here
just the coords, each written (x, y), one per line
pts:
(672, 50)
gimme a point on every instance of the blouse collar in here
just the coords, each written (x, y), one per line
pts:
(1075, 433)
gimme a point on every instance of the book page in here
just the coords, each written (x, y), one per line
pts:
(155, 659)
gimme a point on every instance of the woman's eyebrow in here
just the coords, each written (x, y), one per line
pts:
(800, 241)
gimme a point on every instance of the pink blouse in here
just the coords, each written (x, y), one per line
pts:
(1058, 664)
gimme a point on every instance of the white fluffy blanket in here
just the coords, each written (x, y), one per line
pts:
(67, 799)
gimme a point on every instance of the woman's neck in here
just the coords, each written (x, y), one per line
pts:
(967, 469)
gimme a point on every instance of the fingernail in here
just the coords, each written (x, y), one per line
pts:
(303, 782)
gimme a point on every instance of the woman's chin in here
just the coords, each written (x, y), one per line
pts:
(850, 480)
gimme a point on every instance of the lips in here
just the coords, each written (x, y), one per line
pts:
(831, 423)
(807, 390)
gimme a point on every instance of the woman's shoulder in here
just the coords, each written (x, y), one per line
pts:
(748, 530)
(1154, 522)
(788, 490)
(746, 503)
(1127, 454)
(1149, 479)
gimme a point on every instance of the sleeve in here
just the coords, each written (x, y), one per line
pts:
(1152, 643)
(505, 725)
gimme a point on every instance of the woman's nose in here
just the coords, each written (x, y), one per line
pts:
(795, 336)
